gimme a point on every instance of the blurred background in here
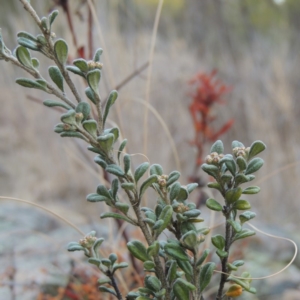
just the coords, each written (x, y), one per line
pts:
(253, 46)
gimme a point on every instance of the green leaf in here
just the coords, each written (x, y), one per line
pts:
(121, 148)
(128, 186)
(233, 195)
(189, 240)
(76, 71)
(243, 234)
(140, 171)
(236, 225)
(251, 190)
(256, 148)
(115, 170)
(171, 276)
(106, 141)
(218, 241)
(104, 281)
(153, 250)
(149, 265)
(35, 62)
(242, 205)
(206, 273)
(217, 147)
(166, 217)
(152, 283)
(222, 254)
(73, 134)
(51, 103)
(240, 178)
(238, 263)
(113, 258)
(123, 207)
(138, 250)
(254, 165)
(230, 163)
(114, 188)
(210, 170)
(111, 100)
(84, 108)
(97, 55)
(126, 160)
(215, 185)
(69, 117)
(236, 144)
(146, 184)
(81, 64)
(156, 169)
(241, 162)
(97, 244)
(26, 35)
(52, 17)
(183, 194)
(116, 216)
(190, 187)
(174, 191)
(213, 204)
(203, 257)
(105, 289)
(28, 43)
(29, 83)
(97, 198)
(24, 57)
(44, 23)
(61, 51)
(91, 127)
(176, 251)
(246, 216)
(121, 265)
(192, 213)
(98, 160)
(181, 289)
(93, 78)
(56, 77)
(173, 176)
(102, 190)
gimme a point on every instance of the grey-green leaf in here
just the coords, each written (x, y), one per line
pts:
(251, 190)
(243, 234)
(140, 171)
(93, 79)
(156, 169)
(61, 51)
(69, 117)
(116, 216)
(138, 250)
(213, 204)
(217, 147)
(76, 71)
(173, 176)
(29, 83)
(202, 257)
(111, 100)
(176, 251)
(84, 108)
(51, 103)
(81, 64)
(115, 170)
(254, 165)
(24, 57)
(106, 141)
(206, 273)
(218, 241)
(126, 160)
(246, 216)
(97, 55)
(146, 184)
(52, 17)
(181, 289)
(91, 127)
(56, 77)
(256, 148)
(121, 148)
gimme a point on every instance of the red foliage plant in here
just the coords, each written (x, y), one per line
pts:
(208, 91)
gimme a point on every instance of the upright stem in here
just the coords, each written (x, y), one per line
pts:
(228, 238)
(115, 286)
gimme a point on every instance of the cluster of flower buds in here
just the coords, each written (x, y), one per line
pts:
(94, 65)
(162, 180)
(87, 241)
(213, 158)
(181, 208)
(241, 151)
